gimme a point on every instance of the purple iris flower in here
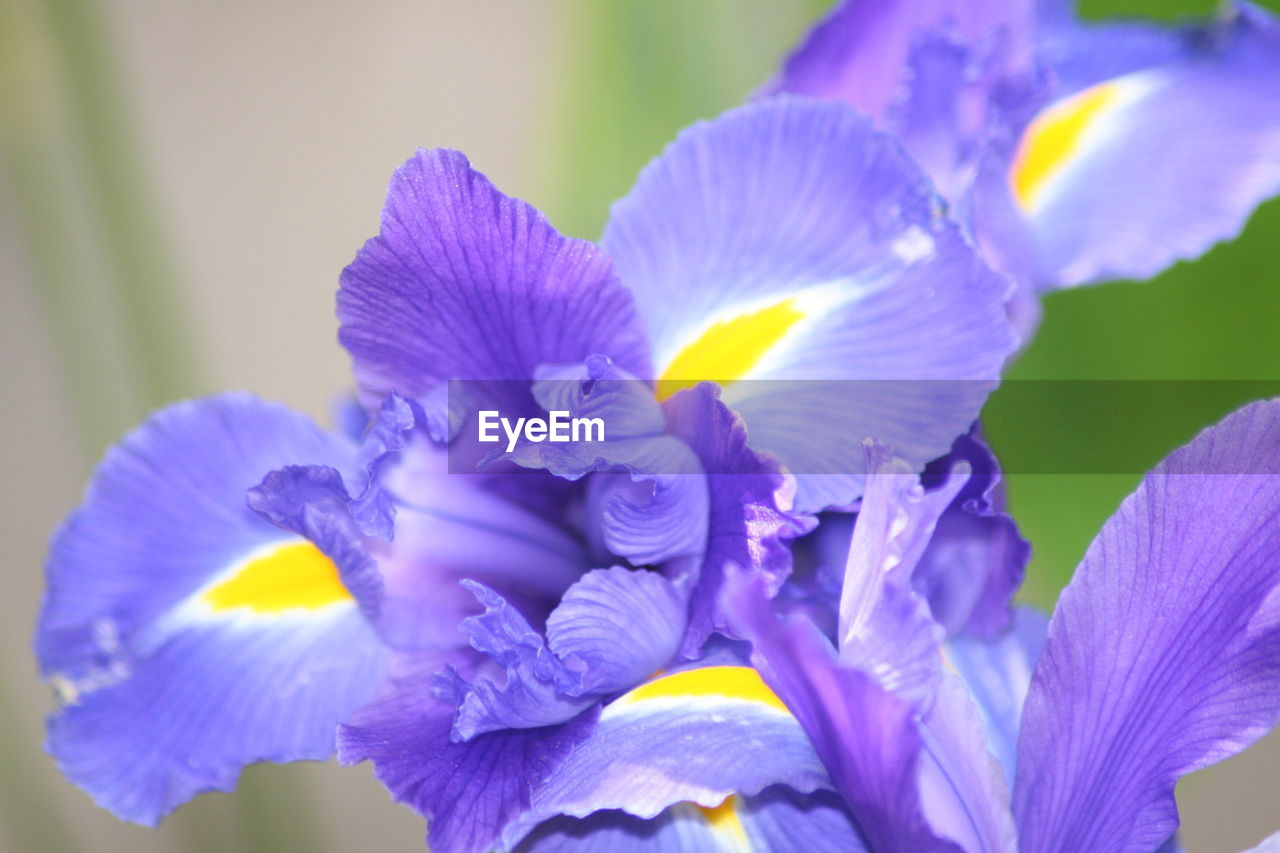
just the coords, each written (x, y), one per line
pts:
(1162, 657)
(828, 294)
(191, 629)
(507, 623)
(1075, 152)
(577, 646)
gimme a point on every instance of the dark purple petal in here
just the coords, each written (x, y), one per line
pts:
(975, 560)
(937, 778)
(467, 791)
(388, 433)
(867, 737)
(1163, 654)
(464, 282)
(750, 502)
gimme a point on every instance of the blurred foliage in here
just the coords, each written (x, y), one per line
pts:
(639, 71)
(75, 173)
(1216, 318)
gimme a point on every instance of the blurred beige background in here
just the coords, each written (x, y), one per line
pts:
(269, 132)
(266, 133)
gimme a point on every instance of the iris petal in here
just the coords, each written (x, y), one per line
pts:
(1158, 144)
(699, 735)
(179, 655)
(1161, 655)
(778, 820)
(464, 282)
(797, 206)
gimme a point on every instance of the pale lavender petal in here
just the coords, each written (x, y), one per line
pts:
(616, 627)
(796, 214)
(172, 679)
(1178, 142)
(698, 735)
(878, 605)
(778, 820)
(997, 672)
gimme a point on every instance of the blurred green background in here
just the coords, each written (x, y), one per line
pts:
(180, 185)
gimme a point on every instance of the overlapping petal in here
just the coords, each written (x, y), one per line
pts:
(1162, 654)
(866, 736)
(612, 629)
(789, 242)
(861, 52)
(945, 78)
(902, 738)
(467, 790)
(1158, 143)
(749, 519)
(500, 531)
(779, 820)
(651, 504)
(974, 561)
(695, 735)
(689, 493)
(997, 672)
(464, 282)
(188, 635)
(615, 627)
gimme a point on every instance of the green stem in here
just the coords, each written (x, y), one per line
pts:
(138, 263)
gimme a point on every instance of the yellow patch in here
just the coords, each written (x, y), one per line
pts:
(728, 350)
(731, 682)
(726, 823)
(296, 575)
(1053, 139)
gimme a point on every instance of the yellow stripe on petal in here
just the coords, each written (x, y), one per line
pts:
(292, 576)
(729, 349)
(727, 824)
(1054, 137)
(729, 682)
